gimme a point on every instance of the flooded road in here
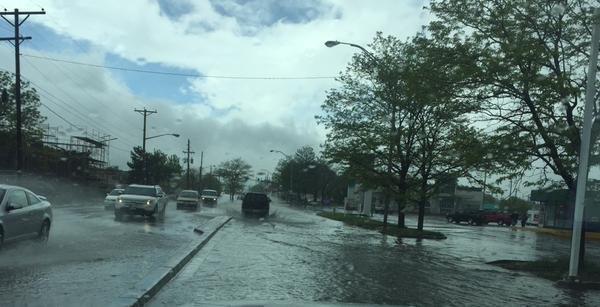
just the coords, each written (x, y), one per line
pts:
(90, 258)
(295, 256)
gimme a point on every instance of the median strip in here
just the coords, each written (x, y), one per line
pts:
(394, 230)
(146, 288)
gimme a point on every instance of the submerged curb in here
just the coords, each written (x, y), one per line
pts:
(146, 288)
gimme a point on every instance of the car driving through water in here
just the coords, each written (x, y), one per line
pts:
(146, 200)
(23, 215)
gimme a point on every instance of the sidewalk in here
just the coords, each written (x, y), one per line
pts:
(562, 233)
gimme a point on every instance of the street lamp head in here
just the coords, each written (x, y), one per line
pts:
(331, 43)
(175, 135)
(272, 150)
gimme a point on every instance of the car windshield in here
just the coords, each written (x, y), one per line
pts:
(209, 193)
(189, 194)
(135, 190)
(393, 152)
(115, 192)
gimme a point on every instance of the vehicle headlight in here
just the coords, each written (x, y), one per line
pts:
(149, 202)
(119, 200)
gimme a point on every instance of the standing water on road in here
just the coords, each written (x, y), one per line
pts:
(294, 256)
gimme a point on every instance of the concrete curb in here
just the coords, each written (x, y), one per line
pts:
(146, 288)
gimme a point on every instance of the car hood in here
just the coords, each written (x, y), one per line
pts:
(136, 197)
(186, 199)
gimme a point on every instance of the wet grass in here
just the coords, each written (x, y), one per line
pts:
(552, 269)
(393, 230)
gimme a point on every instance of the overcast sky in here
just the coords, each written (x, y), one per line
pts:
(225, 118)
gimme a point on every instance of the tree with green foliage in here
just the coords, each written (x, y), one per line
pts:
(161, 169)
(372, 126)
(31, 117)
(515, 205)
(311, 174)
(234, 173)
(446, 145)
(531, 59)
(211, 182)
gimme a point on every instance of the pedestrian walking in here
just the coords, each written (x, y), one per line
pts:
(514, 218)
(524, 220)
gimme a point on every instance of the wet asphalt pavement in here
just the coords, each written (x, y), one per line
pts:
(90, 258)
(293, 256)
(296, 257)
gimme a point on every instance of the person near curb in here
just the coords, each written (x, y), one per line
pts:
(514, 218)
(524, 220)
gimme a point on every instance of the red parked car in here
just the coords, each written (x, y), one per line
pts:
(496, 217)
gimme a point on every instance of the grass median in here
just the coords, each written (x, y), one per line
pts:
(368, 223)
(552, 269)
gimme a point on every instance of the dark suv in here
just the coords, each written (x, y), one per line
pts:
(256, 204)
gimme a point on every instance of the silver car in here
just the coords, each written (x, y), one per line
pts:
(147, 200)
(23, 215)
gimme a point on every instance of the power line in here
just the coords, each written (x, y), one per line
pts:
(82, 76)
(59, 116)
(86, 119)
(175, 73)
(51, 98)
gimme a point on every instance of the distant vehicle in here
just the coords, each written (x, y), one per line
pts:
(189, 199)
(23, 215)
(533, 217)
(209, 197)
(111, 198)
(146, 200)
(256, 204)
(496, 217)
(471, 217)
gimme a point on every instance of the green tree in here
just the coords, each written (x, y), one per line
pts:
(211, 182)
(372, 126)
(161, 169)
(515, 204)
(234, 174)
(445, 142)
(529, 83)
(32, 121)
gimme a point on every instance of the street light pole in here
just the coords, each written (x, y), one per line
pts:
(584, 152)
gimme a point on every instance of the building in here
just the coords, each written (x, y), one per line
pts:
(453, 198)
(556, 208)
(449, 198)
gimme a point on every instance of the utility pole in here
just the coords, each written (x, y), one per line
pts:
(578, 234)
(188, 152)
(18, 39)
(200, 176)
(145, 113)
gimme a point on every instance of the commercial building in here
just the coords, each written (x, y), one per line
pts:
(449, 198)
(557, 207)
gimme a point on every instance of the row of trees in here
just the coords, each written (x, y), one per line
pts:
(486, 85)
(306, 173)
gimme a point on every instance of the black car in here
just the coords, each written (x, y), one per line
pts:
(256, 204)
